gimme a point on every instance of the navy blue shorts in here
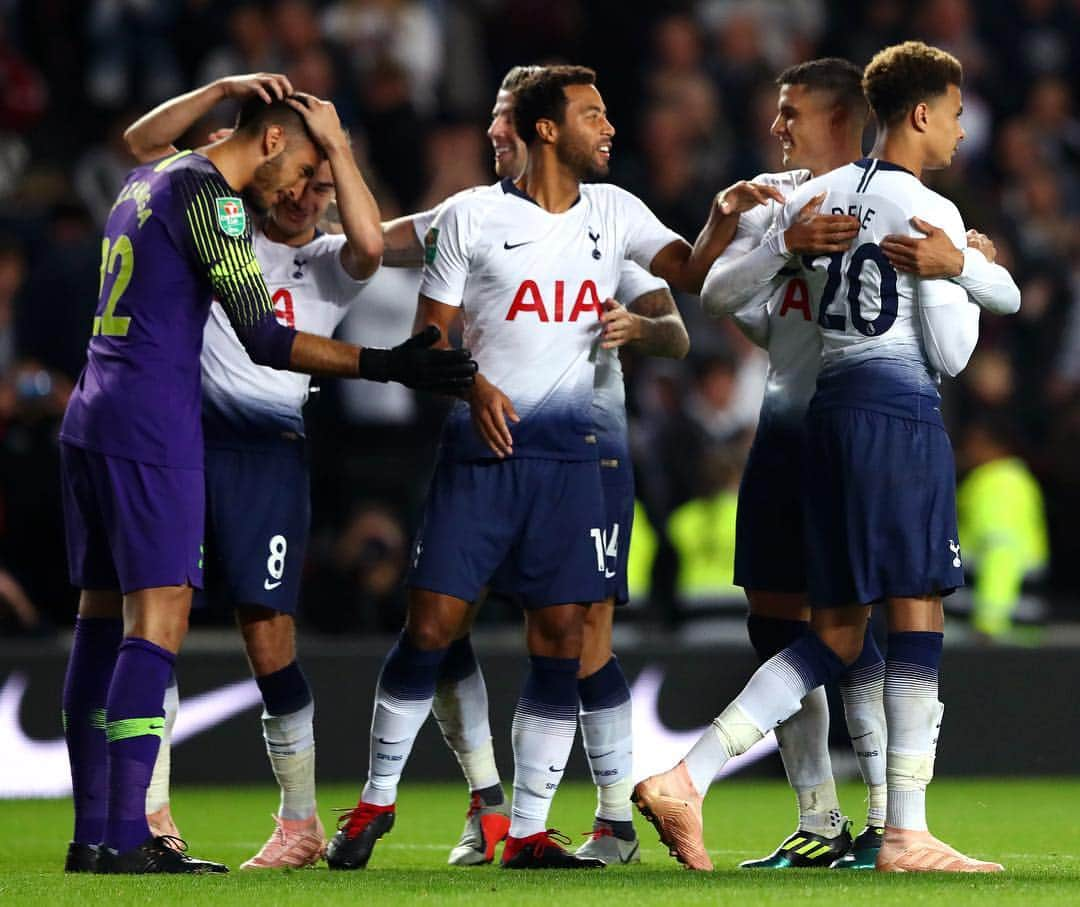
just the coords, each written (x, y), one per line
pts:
(770, 552)
(258, 515)
(537, 522)
(618, 484)
(130, 525)
(880, 508)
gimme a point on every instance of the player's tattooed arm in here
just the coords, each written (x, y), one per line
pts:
(685, 266)
(356, 206)
(152, 135)
(652, 324)
(401, 246)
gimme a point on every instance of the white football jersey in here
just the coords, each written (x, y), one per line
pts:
(531, 285)
(609, 391)
(865, 309)
(311, 292)
(780, 317)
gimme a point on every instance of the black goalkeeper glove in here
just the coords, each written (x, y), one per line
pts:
(414, 364)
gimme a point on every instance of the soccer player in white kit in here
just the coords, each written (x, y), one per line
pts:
(650, 321)
(258, 500)
(517, 486)
(821, 114)
(880, 514)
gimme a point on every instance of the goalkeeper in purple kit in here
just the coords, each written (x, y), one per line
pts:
(132, 449)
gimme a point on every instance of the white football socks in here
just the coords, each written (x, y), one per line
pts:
(913, 714)
(607, 735)
(864, 710)
(290, 744)
(804, 748)
(461, 708)
(394, 727)
(541, 750)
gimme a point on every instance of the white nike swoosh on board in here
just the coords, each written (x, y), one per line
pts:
(657, 747)
(267, 585)
(39, 768)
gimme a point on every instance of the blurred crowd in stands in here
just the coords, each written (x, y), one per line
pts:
(690, 89)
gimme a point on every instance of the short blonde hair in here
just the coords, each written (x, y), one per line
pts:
(517, 76)
(901, 76)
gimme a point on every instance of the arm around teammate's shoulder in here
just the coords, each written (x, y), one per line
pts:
(970, 265)
(987, 283)
(684, 266)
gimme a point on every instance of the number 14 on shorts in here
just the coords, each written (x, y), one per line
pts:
(275, 563)
(607, 546)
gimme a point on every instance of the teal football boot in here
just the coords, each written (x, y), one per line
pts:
(805, 850)
(864, 850)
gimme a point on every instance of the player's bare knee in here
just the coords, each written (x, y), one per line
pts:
(269, 638)
(916, 615)
(778, 605)
(557, 631)
(101, 603)
(433, 621)
(596, 638)
(158, 615)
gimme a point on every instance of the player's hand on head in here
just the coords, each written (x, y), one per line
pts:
(321, 118)
(491, 412)
(983, 243)
(270, 86)
(620, 325)
(814, 233)
(931, 257)
(744, 195)
(416, 364)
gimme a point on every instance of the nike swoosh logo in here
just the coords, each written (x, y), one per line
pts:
(609, 574)
(516, 245)
(667, 746)
(860, 737)
(600, 755)
(551, 768)
(388, 742)
(39, 768)
(267, 585)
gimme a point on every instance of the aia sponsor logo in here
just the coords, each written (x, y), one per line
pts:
(529, 301)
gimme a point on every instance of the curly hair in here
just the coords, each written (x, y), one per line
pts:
(901, 76)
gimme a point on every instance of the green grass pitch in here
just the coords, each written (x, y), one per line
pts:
(1033, 827)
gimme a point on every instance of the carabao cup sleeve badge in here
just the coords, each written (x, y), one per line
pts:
(431, 245)
(231, 216)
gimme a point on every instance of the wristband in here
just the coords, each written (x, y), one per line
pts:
(374, 364)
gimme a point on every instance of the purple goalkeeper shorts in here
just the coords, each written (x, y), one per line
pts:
(130, 525)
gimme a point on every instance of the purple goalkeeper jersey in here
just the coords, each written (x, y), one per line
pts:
(177, 235)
